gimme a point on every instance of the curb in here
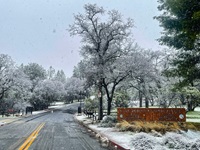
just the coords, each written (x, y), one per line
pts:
(111, 143)
(5, 123)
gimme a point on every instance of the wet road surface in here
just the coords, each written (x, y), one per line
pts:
(49, 131)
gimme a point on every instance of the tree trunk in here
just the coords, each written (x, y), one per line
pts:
(109, 106)
(146, 103)
(140, 92)
(100, 110)
(140, 98)
(189, 106)
(109, 96)
(100, 114)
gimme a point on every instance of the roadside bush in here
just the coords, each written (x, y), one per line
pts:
(151, 127)
(143, 141)
(194, 145)
(108, 121)
(91, 104)
(170, 140)
(121, 99)
(175, 141)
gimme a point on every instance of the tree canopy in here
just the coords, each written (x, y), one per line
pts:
(105, 37)
(180, 21)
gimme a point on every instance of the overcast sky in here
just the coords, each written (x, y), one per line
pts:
(36, 30)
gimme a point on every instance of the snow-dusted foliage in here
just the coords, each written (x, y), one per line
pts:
(20, 86)
(91, 104)
(34, 71)
(14, 84)
(60, 76)
(121, 98)
(74, 89)
(108, 121)
(175, 141)
(105, 37)
(6, 74)
(147, 85)
(51, 73)
(48, 91)
(111, 60)
(144, 141)
(20, 91)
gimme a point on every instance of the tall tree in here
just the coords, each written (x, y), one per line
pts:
(6, 74)
(144, 74)
(19, 93)
(60, 76)
(103, 41)
(74, 88)
(46, 92)
(51, 72)
(6, 81)
(78, 71)
(14, 84)
(180, 20)
(35, 72)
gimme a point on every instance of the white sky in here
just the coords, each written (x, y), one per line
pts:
(35, 30)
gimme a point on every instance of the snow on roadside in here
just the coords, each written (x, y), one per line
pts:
(144, 141)
(2, 123)
(121, 138)
(38, 112)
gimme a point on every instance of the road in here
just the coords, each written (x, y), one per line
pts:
(49, 131)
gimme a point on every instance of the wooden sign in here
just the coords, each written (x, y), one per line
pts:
(151, 114)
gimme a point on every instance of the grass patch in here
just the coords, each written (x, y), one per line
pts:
(193, 125)
(193, 115)
(148, 127)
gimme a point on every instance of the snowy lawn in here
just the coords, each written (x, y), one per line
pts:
(193, 116)
(147, 141)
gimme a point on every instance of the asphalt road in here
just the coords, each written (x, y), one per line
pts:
(49, 131)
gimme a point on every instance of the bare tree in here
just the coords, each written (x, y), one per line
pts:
(103, 37)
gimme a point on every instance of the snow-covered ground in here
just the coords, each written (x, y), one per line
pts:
(197, 109)
(39, 112)
(192, 120)
(195, 117)
(142, 141)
